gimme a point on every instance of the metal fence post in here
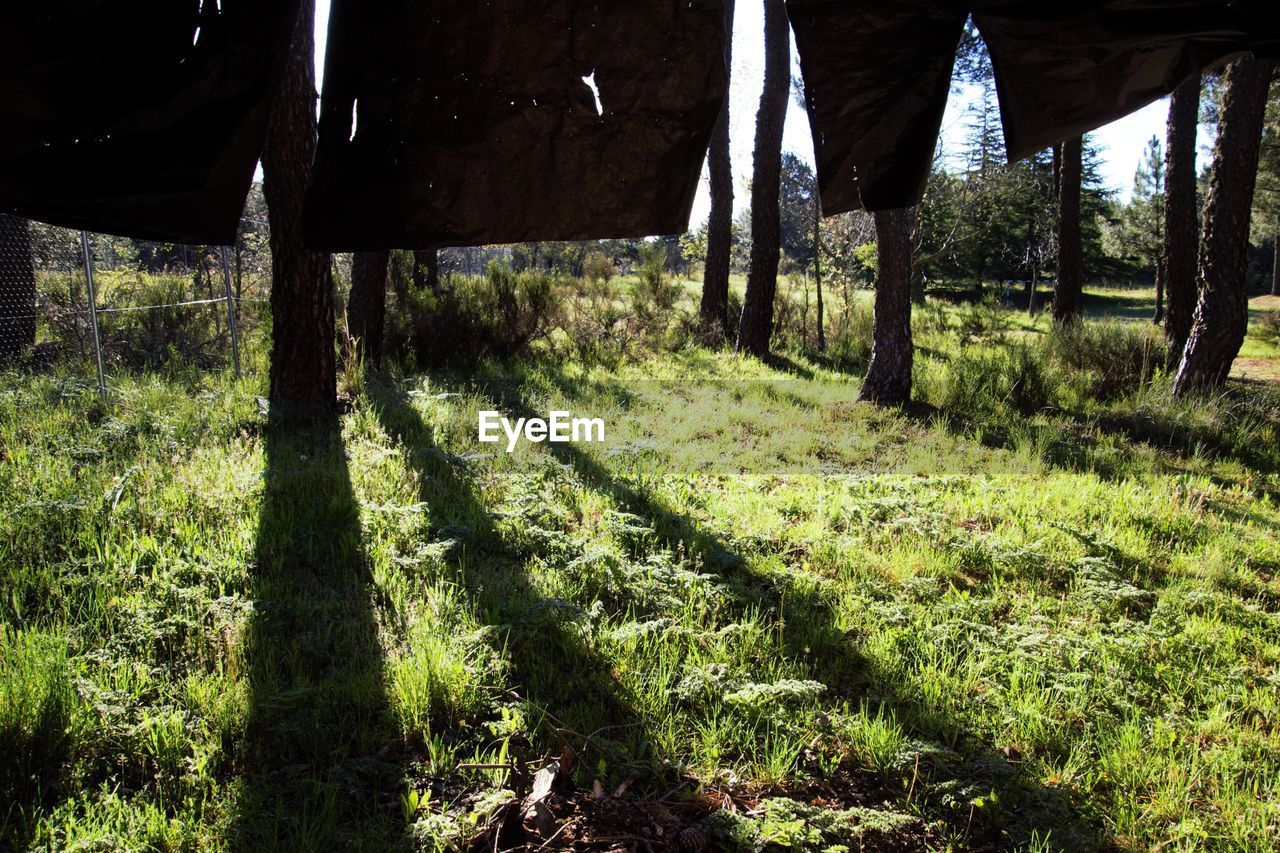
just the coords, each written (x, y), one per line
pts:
(93, 311)
(231, 312)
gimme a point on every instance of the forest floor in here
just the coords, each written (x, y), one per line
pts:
(1040, 608)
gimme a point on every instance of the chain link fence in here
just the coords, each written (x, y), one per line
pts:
(92, 304)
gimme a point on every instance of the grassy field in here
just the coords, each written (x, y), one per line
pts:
(1039, 609)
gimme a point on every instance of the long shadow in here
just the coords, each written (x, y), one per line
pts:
(310, 772)
(814, 639)
(568, 689)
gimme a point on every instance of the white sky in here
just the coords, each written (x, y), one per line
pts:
(1121, 143)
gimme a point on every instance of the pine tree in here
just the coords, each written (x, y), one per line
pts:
(1181, 221)
(1222, 311)
(888, 381)
(1068, 293)
(756, 325)
(714, 308)
(303, 363)
(367, 304)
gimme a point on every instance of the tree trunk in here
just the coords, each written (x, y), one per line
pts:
(817, 270)
(426, 269)
(1031, 290)
(1068, 294)
(367, 305)
(1057, 171)
(1181, 225)
(1222, 312)
(762, 275)
(1159, 315)
(888, 381)
(17, 289)
(714, 309)
(303, 369)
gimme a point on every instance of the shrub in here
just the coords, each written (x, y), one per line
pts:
(499, 315)
(598, 269)
(850, 338)
(1000, 382)
(984, 320)
(1269, 327)
(1110, 357)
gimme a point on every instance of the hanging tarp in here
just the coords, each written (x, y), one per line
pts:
(460, 122)
(877, 74)
(137, 117)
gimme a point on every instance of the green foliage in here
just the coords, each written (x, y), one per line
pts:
(598, 269)
(1137, 233)
(1000, 383)
(499, 315)
(1022, 612)
(1113, 358)
(38, 715)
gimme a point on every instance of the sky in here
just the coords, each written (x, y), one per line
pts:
(1121, 143)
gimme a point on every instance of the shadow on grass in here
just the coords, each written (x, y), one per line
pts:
(814, 639)
(567, 688)
(311, 775)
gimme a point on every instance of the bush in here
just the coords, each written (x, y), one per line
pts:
(986, 383)
(499, 315)
(984, 320)
(598, 269)
(850, 338)
(1269, 327)
(1110, 357)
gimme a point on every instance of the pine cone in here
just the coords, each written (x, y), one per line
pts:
(691, 840)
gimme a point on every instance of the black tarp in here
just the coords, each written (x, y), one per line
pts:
(456, 122)
(137, 117)
(877, 74)
(464, 122)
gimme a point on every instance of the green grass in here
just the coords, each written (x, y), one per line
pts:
(1040, 609)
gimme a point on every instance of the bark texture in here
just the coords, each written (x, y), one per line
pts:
(303, 369)
(367, 305)
(17, 288)
(888, 381)
(1222, 309)
(756, 325)
(1068, 294)
(714, 308)
(1181, 225)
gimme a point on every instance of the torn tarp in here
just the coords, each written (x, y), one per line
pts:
(137, 117)
(877, 74)
(459, 122)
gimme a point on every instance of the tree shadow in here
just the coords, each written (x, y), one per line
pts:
(815, 639)
(311, 773)
(552, 668)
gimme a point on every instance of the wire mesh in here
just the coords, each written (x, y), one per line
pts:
(158, 305)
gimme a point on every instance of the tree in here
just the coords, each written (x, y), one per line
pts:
(1181, 222)
(1266, 198)
(303, 363)
(426, 269)
(756, 325)
(1138, 232)
(714, 308)
(800, 224)
(1222, 311)
(17, 288)
(1068, 293)
(888, 381)
(367, 304)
